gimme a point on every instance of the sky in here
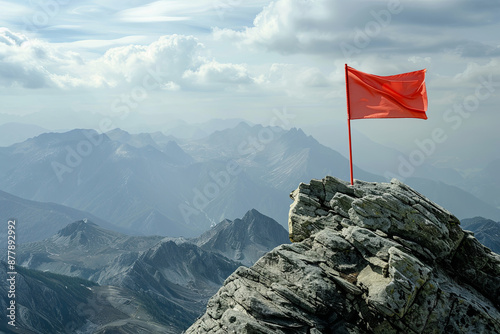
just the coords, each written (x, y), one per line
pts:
(144, 65)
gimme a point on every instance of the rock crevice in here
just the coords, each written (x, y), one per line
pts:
(367, 258)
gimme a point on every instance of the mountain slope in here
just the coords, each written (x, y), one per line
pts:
(50, 303)
(56, 298)
(244, 240)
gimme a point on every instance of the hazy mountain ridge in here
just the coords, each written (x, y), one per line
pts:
(375, 157)
(109, 182)
(38, 220)
(181, 190)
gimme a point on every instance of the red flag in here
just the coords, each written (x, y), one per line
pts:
(394, 96)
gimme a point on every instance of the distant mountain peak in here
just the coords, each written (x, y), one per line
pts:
(80, 225)
(253, 213)
(243, 125)
(84, 233)
(246, 239)
(297, 133)
(118, 133)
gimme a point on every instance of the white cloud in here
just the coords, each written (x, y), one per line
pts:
(215, 73)
(313, 77)
(295, 81)
(7, 37)
(360, 28)
(175, 61)
(289, 26)
(31, 63)
(419, 60)
(172, 55)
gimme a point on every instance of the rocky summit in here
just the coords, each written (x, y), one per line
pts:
(366, 258)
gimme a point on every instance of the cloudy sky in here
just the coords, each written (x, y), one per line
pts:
(71, 63)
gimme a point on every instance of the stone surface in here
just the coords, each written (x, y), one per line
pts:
(368, 258)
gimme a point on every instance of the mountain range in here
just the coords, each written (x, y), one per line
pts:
(129, 233)
(157, 184)
(174, 274)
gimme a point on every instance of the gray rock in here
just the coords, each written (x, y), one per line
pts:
(367, 258)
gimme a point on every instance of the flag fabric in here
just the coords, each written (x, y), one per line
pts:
(394, 96)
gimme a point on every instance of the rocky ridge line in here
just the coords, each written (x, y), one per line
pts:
(368, 258)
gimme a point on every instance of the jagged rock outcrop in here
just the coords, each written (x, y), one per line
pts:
(368, 258)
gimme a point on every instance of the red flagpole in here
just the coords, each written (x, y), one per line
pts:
(349, 121)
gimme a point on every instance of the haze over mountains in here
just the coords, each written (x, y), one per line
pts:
(39, 220)
(152, 183)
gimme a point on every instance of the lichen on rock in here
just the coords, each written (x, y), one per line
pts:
(366, 258)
